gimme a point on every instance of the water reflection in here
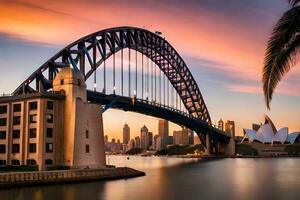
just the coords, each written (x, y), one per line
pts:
(177, 178)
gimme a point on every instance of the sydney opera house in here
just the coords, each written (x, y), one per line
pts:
(268, 134)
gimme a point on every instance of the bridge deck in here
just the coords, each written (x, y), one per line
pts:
(155, 110)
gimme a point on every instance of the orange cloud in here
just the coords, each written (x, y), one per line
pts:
(196, 32)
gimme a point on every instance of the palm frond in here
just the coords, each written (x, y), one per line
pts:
(294, 2)
(280, 53)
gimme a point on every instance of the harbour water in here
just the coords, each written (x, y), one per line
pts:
(181, 178)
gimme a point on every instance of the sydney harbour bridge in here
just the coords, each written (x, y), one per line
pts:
(136, 70)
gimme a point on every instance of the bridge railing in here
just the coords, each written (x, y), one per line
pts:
(165, 107)
(6, 95)
(153, 103)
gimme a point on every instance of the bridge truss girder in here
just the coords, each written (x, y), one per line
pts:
(107, 42)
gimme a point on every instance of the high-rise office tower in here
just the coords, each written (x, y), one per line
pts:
(163, 128)
(126, 133)
(145, 142)
(221, 125)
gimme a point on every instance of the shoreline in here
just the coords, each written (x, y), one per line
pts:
(21, 179)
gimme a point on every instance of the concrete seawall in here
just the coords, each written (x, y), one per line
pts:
(14, 179)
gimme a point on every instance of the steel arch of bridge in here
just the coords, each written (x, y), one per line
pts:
(109, 41)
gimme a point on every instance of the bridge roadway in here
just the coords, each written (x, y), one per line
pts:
(157, 110)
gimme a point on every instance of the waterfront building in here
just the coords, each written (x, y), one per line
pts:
(170, 140)
(160, 143)
(221, 125)
(114, 145)
(145, 139)
(126, 133)
(268, 134)
(105, 139)
(137, 141)
(181, 137)
(106, 143)
(119, 145)
(124, 148)
(131, 144)
(58, 128)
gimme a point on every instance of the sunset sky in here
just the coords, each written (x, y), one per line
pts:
(222, 42)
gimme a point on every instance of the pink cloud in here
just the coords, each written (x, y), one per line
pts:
(285, 89)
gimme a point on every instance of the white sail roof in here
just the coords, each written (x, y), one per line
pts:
(292, 137)
(281, 135)
(249, 134)
(267, 133)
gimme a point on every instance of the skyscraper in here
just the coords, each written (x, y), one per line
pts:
(163, 132)
(154, 142)
(145, 142)
(163, 128)
(230, 128)
(150, 135)
(126, 134)
(221, 125)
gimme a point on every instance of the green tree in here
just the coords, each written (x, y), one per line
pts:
(282, 50)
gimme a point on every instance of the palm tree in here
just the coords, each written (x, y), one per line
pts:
(283, 49)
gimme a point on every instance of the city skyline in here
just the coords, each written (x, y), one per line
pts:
(147, 140)
(228, 74)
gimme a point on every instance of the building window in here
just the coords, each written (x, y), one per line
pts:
(49, 118)
(16, 134)
(49, 133)
(2, 162)
(32, 133)
(17, 107)
(49, 147)
(79, 82)
(3, 121)
(50, 105)
(2, 135)
(31, 162)
(33, 118)
(17, 120)
(48, 162)
(32, 148)
(33, 105)
(2, 148)
(87, 148)
(15, 162)
(15, 148)
(3, 109)
(62, 81)
(87, 134)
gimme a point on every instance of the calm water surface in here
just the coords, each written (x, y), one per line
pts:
(177, 178)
